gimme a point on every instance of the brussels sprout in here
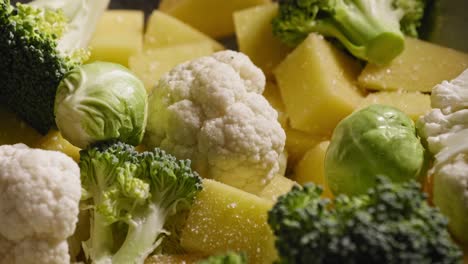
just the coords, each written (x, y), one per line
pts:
(377, 140)
(101, 101)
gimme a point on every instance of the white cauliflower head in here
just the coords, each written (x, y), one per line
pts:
(39, 196)
(446, 130)
(211, 110)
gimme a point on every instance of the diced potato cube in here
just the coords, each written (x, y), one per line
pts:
(150, 65)
(420, 67)
(272, 94)
(164, 30)
(278, 186)
(414, 104)
(316, 81)
(311, 168)
(298, 143)
(13, 130)
(224, 218)
(174, 259)
(118, 35)
(54, 141)
(255, 37)
(212, 17)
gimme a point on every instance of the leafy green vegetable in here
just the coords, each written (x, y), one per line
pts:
(227, 258)
(390, 224)
(101, 101)
(38, 46)
(368, 29)
(377, 140)
(131, 195)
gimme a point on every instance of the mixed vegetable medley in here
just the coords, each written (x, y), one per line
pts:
(335, 132)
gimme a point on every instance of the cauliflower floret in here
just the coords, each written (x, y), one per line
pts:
(439, 127)
(34, 251)
(446, 130)
(451, 193)
(451, 96)
(39, 196)
(211, 110)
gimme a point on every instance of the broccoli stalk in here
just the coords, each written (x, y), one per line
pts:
(368, 29)
(39, 43)
(390, 224)
(132, 195)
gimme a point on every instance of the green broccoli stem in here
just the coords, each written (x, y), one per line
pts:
(375, 37)
(101, 240)
(143, 236)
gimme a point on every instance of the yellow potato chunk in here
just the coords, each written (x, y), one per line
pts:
(118, 35)
(298, 143)
(13, 130)
(255, 37)
(278, 186)
(164, 30)
(213, 17)
(419, 67)
(150, 65)
(414, 104)
(224, 218)
(316, 81)
(311, 168)
(174, 259)
(273, 96)
(54, 141)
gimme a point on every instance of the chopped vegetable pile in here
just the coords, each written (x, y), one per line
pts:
(233, 132)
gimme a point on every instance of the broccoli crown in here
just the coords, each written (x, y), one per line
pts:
(413, 11)
(132, 195)
(368, 29)
(31, 67)
(227, 258)
(390, 224)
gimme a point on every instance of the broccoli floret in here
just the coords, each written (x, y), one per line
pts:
(413, 11)
(368, 29)
(390, 224)
(39, 43)
(227, 258)
(132, 195)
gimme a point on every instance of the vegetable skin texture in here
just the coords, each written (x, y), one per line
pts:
(368, 29)
(37, 47)
(38, 205)
(101, 101)
(390, 224)
(227, 258)
(131, 195)
(376, 140)
(445, 129)
(211, 110)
